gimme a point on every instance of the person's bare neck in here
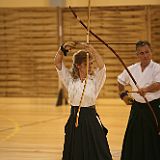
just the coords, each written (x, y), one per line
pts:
(82, 76)
(144, 65)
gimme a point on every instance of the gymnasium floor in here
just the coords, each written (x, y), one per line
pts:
(32, 129)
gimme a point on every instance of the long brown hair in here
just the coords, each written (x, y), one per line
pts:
(78, 58)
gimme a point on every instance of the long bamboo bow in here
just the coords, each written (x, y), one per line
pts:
(120, 59)
(87, 59)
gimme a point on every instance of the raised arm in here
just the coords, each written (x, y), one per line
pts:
(63, 51)
(58, 59)
(96, 56)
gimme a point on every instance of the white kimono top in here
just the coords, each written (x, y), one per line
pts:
(75, 86)
(150, 75)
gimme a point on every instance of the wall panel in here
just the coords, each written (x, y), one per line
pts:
(29, 38)
(28, 41)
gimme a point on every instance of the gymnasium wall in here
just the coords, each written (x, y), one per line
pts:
(29, 39)
(111, 2)
(75, 3)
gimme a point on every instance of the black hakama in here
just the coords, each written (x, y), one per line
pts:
(141, 140)
(88, 141)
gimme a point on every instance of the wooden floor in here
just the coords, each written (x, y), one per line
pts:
(33, 129)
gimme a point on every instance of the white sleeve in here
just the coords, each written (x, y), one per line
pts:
(100, 77)
(123, 78)
(64, 75)
(157, 74)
